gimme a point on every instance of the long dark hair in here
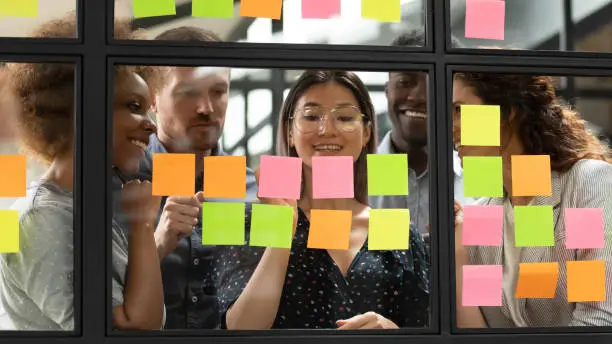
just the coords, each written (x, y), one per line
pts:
(352, 82)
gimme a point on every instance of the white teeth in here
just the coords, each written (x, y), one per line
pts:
(140, 144)
(328, 148)
(415, 114)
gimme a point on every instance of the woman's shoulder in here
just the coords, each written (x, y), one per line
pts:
(46, 206)
(586, 169)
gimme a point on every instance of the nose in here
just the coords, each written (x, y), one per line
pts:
(326, 125)
(148, 125)
(205, 105)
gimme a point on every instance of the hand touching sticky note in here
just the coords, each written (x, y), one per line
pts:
(225, 176)
(330, 229)
(212, 8)
(389, 229)
(586, 281)
(483, 176)
(12, 175)
(280, 177)
(483, 225)
(153, 8)
(537, 280)
(482, 285)
(584, 228)
(223, 223)
(485, 19)
(271, 226)
(534, 226)
(173, 174)
(261, 8)
(9, 231)
(332, 177)
(381, 10)
(320, 9)
(480, 125)
(19, 8)
(387, 174)
(531, 175)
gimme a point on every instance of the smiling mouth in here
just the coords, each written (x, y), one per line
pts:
(327, 148)
(413, 114)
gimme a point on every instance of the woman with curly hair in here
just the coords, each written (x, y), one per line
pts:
(535, 122)
(37, 280)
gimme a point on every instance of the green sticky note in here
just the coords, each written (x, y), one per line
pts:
(533, 226)
(271, 226)
(389, 229)
(212, 8)
(381, 10)
(222, 223)
(9, 231)
(482, 176)
(480, 125)
(19, 8)
(387, 174)
(153, 8)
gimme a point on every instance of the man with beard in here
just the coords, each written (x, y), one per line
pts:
(407, 109)
(190, 106)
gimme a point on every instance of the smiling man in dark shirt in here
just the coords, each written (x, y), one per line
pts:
(190, 109)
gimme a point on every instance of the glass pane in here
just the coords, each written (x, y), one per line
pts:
(335, 23)
(532, 247)
(24, 18)
(520, 25)
(36, 202)
(331, 121)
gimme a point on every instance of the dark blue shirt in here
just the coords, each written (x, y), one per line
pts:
(188, 273)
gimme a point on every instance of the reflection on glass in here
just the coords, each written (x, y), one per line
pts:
(539, 255)
(291, 28)
(361, 280)
(36, 145)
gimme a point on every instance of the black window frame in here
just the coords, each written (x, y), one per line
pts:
(95, 52)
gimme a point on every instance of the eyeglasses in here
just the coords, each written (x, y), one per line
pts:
(344, 118)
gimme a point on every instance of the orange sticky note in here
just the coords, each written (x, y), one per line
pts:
(225, 176)
(531, 175)
(586, 281)
(330, 229)
(537, 280)
(173, 174)
(12, 175)
(261, 8)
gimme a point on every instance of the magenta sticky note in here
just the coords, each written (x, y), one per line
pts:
(483, 225)
(482, 285)
(332, 177)
(584, 228)
(320, 9)
(485, 19)
(280, 177)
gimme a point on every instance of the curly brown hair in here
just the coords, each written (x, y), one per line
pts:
(45, 92)
(545, 124)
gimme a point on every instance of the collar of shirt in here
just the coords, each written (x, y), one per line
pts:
(386, 147)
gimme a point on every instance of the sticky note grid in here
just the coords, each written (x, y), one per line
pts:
(12, 185)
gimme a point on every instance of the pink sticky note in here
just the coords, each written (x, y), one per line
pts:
(332, 177)
(280, 177)
(320, 9)
(584, 228)
(482, 285)
(485, 19)
(483, 225)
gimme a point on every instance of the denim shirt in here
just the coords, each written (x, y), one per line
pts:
(188, 273)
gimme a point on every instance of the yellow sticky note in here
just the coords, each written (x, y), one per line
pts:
(389, 229)
(9, 231)
(480, 125)
(381, 10)
(19, 8)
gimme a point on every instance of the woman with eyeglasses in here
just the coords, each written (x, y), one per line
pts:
(326, 113)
